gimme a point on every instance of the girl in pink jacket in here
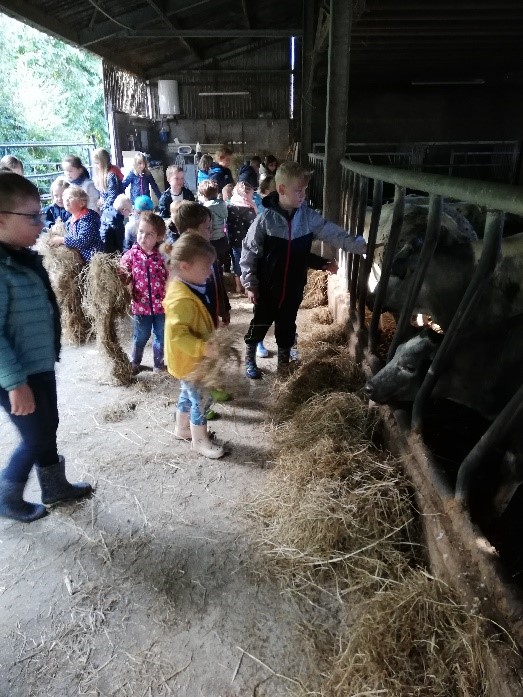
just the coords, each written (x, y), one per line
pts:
(145, 269)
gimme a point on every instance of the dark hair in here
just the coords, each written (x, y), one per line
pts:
(255, 158)
(247, 175)
(269, 160)
(189, 215)
(154, 220)
(205, 163)
(75, 162)
(12, 162)
(14, 187)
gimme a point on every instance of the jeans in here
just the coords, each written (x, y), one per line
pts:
(236, 253)
(37, 430)
(143, 325)
(194, 402)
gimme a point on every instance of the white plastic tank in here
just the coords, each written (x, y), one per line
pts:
(168, 97)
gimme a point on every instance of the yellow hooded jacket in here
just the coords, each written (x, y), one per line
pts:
(188, 328)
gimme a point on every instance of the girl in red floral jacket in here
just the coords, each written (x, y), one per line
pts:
(145, 269)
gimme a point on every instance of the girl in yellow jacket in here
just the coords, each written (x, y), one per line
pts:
(188, 337)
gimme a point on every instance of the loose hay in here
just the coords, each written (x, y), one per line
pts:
(315, 294)
(322, 316)
(213, 372)
(106, 299)
(413, 639)
(328, 369)
(64, 267)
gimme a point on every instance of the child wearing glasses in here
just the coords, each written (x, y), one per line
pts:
(29, 349)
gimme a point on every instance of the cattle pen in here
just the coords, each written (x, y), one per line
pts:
(446, 492)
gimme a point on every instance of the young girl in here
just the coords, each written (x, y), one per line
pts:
(56, 211)
(82, 228)
(204, 165)
(76, 173)
(208, 193)
(140, 179)
(29, 348)
(188, 336)
(107, 178)
(145, 269)
(269, 166)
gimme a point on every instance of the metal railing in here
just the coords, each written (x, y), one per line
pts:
(499, 199)
(39, 166)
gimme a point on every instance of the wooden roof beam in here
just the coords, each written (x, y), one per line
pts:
(29, 14)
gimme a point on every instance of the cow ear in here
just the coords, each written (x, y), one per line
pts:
(432, 342)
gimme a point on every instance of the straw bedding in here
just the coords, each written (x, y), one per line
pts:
(315, 294)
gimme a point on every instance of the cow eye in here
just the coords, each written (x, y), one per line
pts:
(409, 368)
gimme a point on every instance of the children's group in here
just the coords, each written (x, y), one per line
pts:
(258, 227)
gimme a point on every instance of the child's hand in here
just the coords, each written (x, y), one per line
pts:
(22, 401)
(331, 267)
(210, 350)
(253, 295)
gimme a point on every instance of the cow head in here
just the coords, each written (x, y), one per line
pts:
(401, 378)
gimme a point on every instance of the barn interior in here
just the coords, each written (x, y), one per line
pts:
(429, 86)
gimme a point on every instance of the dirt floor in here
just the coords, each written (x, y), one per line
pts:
(146, 588)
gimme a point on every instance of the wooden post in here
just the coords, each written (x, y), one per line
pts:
(307, 81)
(340, 25)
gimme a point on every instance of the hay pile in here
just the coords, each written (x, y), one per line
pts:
(315, 294)
(413, 639)
(106, 299)
(214, 372)
(322, 316)
(64, 267)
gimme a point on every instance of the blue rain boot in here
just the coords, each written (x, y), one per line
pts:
(261, 351)
(56, 488)
(12, 504)
(251, 369)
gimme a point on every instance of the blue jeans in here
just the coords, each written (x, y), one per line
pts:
(143, 325)
(37, 430)
(236, 253)
(193, 401)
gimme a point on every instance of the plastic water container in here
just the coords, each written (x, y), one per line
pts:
(184, 150)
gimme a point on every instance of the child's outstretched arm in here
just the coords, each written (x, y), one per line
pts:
(252, 250)
(154, 186)
(333, 234)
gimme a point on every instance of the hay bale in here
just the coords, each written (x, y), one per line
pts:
(106, 299)
(324, 369)
(315, 293)
(213, 372)
(413, 639)
(64, 267)
(322, 316)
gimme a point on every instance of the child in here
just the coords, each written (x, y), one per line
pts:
(56, 211)
(255, 163)
(176, 191)
(76, 173)
(82, 228)
(267, 184)
(12, 163)
(208, 192)
(219, 170)
(269, 166)
(188, 334)
(29, 348)
(227, 192)
(107, 178)
(112, 228)
(241, 213)
(141, 203)
(145, 270)
(204, 165)
(140, 179)
(275, 257)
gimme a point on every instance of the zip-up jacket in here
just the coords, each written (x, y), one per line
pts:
(29, 318)
(112, 230)
(83, 234)
(141, 185)
(148, 277)
(276, 251)
(164, 204)
(54, 212)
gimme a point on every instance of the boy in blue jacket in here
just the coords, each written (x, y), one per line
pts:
(29, 348)
(112, 224)
(276, 254)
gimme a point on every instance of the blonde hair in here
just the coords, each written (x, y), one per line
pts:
(171, 170)
(222, 152)
(227, 191)
(208, 188)
(288, 172)
(122, 201)
(76, 193)
(140, 157)
(188, 248)
(102, 159)
(59, 183)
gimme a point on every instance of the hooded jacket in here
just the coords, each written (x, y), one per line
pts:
(148, 275)
(164, 204)
(112, 230)
(276, 251)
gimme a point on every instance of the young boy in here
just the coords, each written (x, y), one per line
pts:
(112, 224)
(275, 256)
(29, 349)
(55, 210)
(209, 197)
(176, 191)
(220, 169)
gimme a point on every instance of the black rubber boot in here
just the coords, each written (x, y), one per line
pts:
(12, 504)
(251, 369)
(56, 488)
(284, 356)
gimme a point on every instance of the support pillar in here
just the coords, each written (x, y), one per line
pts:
(340, 27)
(307, 81)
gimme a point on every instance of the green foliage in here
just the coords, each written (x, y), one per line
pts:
(50, 91)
